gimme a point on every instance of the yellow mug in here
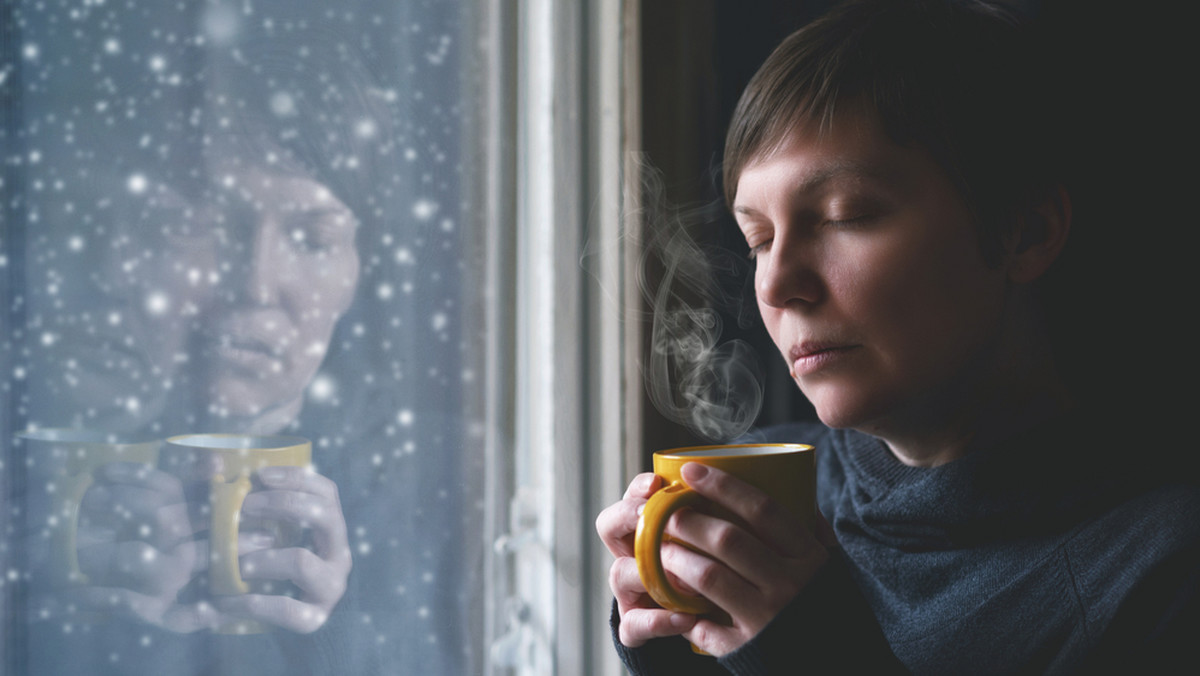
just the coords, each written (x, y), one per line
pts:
(64, 461)
(785, 472)
(237, 456)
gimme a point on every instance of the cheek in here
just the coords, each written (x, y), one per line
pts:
(336, 284)
(937, 312)
(339, 287)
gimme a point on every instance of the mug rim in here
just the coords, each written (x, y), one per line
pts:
(735, 450)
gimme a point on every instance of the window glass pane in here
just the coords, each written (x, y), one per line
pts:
(242, 217)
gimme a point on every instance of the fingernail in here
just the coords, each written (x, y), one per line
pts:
(640, 509)
(272, 474)
(681, 621)
(694, 471)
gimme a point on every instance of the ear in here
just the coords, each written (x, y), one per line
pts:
(1039, 237)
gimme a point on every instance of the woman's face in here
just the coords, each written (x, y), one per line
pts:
(288, 265)
(869, 276)
(222, 294)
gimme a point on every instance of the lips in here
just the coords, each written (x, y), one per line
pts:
(809, 357)
(249, 355)
(248, 343)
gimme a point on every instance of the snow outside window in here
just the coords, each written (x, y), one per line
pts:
(231, 227)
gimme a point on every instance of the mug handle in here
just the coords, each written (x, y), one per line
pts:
(647, 548)
(225, 577)
(67, 505)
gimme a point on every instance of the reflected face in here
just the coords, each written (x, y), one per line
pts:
(288, 267)
(143, 293)
(869, 275)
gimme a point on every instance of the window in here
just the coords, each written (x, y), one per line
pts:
(357, 224)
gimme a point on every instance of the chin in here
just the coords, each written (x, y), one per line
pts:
(246, 398)
(840, 409)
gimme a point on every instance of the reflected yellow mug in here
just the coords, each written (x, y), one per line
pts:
(236, 457)
(64, 462)
(785, 472)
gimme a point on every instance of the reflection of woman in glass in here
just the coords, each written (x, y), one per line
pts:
(219, 228)
(292, 268)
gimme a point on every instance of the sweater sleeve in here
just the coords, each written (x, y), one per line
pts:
(828, 628)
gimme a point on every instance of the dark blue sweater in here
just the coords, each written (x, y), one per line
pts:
(1058, 552)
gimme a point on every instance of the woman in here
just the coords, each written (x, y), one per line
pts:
(898, 174)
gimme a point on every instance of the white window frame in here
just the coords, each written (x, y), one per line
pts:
(561, 432)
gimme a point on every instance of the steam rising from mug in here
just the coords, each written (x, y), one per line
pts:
(714, 389)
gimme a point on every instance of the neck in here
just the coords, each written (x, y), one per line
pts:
(270, 421)
(994, 416)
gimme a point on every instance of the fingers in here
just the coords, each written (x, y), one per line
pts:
(141, 567)
(280, 611)
(750, 567)
(136, 501)
(639, 625)
(641, 619)
(714, 579)
(625, 584)
(618, 522)
(302, 498)
(302, 479)
(152, 610)
(745, 555)
(321, 582)
(305, 499)
(643, 486)
(765, 518)
(129, 513)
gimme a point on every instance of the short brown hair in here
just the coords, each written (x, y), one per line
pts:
(962, 78)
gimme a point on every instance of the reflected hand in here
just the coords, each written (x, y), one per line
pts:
(300, 498)
(137, 549)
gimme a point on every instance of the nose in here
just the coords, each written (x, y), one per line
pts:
(265, 264)
(789, 274)
(255, 260)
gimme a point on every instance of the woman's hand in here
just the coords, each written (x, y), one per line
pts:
(641, 618)
(137, 549)
(751, 573)
(303, 501)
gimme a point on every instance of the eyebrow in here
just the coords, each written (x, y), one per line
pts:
(823, 175)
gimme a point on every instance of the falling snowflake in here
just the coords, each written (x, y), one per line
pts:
(137, 184)
(282, 104)
(365, 129)
(157, 303)
(424, 209)
(322, 388)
